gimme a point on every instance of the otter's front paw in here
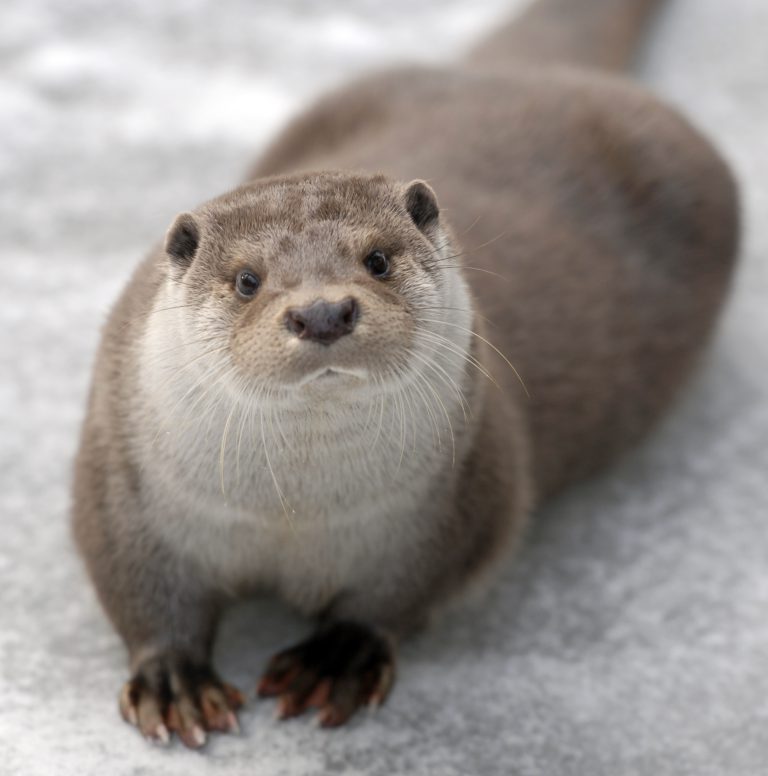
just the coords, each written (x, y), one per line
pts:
(170, 694)
(339, 669)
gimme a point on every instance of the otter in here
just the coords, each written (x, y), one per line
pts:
(442, 296)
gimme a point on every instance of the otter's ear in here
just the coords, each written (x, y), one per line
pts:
(182, 240)
(421, 204)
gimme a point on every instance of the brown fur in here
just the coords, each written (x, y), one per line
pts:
(598, 231)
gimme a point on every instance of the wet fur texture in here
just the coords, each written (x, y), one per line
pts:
(584, 230)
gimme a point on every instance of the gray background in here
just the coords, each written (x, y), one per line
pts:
(631, 635)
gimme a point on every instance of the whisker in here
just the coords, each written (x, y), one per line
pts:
(487, 342)
(401, 405)
(167, 364)
(446, 379)
(219, 371)
(476, 269)
(248, 402)
(468, 251)
(472, 225)
(430, 412)
(223, 446)
(174, 307)
(440, 341)
(189, 343)
(467, 310)
(279, 491)
(429, 385)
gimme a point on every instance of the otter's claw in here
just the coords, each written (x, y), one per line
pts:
(169, 695)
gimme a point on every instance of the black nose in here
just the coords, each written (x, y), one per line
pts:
(323, 322)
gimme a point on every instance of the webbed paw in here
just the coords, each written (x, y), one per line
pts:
(339, 669)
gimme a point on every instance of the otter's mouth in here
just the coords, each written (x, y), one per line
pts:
(331, 374)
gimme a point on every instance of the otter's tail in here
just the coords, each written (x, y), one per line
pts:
(597, 33)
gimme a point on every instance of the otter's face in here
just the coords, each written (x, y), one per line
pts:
(314, 284)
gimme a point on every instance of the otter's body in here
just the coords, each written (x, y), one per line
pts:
(608, 222)
(340, 428)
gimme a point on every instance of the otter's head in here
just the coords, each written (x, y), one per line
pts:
(317, 283)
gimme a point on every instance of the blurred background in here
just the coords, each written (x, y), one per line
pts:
(630, 637)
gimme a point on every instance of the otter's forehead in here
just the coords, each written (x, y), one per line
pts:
(299, 204)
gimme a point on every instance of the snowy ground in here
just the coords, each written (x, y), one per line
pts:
(632, 634)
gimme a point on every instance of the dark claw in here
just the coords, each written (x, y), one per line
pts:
(339, 669)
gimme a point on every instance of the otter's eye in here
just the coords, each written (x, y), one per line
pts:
(377, 264)
(247, 283)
